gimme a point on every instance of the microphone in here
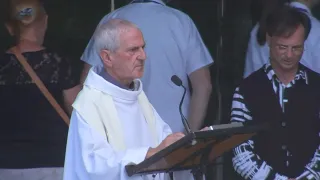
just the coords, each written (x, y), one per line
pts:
(177, 81)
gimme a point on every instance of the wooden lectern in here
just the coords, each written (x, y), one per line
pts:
(194, 152)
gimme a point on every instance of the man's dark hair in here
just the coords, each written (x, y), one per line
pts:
(268, 6)
(261, 8)
(284, 21)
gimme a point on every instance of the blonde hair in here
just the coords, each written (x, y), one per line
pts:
(23, 13)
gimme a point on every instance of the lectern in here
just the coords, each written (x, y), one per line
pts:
(195, 151)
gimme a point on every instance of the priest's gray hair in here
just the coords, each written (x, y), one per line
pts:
(107, 35)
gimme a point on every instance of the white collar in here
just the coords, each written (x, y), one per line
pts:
(95, 81)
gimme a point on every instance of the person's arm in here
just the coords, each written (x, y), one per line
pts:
(201, 92)
(84, 73)
(197, 62)
(69, 83)
(69, 95)
(313, 168)
(245, 162)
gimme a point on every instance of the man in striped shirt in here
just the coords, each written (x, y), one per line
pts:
(286, 95)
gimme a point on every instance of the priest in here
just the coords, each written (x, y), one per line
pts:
(113, 124)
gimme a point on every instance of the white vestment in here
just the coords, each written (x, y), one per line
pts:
(90, 156)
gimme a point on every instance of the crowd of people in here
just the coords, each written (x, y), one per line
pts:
(125, 108)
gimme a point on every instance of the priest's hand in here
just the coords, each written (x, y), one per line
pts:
(170, 139)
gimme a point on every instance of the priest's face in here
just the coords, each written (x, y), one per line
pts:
(286, 52)
(127, 62)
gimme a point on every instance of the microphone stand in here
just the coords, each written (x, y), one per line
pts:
(183, 118)
(198, 172)
(177, 81)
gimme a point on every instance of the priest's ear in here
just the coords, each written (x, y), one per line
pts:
(106, 57)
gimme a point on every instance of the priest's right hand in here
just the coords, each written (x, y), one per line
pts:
(170, 139)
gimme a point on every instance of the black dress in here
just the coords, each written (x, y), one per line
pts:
(32, 134)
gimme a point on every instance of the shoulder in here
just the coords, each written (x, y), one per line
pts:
(253, 41)
(314, 35)
(252, 80)
(182, 17)
(86, 98)
(313, 81)
(178, 13)
(48, 52)
(254, 30)
(314, 21)
(58, 57)
(312, 75)
(315, 25)
(255, 75)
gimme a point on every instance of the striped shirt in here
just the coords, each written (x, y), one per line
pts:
(250, 165)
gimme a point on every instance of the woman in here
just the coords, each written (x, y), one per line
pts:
(32, 134)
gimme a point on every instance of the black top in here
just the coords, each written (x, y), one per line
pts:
(32, 134)
(300, 135)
